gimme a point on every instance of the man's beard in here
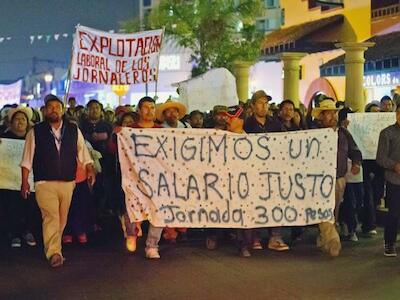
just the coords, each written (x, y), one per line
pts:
(53, 119)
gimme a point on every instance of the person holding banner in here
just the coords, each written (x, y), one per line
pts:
(18, 212)
(374, 182)
(388, 156)
(327, 115)
(52, 149)
(170, 115)
(219, 118)
(146, 109)
(244, 237)
(260, 122)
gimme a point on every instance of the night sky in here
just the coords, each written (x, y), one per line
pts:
(20, 19)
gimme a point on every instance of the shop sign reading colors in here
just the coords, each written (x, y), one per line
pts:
(115, 59)
(382, 79)
(213, 178)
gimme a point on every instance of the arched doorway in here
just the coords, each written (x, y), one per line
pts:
(317, 87)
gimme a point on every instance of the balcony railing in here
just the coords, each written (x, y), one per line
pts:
(387, 11)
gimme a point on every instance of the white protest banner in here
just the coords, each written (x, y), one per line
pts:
(212, 178)
(10, 157)
(115, 59)
(10, 93)
(365, 129)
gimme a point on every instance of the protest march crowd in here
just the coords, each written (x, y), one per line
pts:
(72, 153)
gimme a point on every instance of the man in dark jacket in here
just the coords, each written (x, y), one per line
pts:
(327, 115)
(52, 149)
(388, 156)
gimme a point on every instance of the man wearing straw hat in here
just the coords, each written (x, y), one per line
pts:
(327, 115)
(171, 113)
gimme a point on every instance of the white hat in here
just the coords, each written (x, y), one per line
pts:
(26, 110)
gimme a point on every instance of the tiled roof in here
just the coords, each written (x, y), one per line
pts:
(285, 39)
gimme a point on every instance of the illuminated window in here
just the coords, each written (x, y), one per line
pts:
(170, 62)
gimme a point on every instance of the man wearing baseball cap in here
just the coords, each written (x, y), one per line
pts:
(261, 122)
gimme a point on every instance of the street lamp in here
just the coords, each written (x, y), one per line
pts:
(48, 78)
(120, 91)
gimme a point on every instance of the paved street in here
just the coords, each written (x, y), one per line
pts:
(104, 270)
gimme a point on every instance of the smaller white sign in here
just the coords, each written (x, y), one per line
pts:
(10, 158)
(366, 127)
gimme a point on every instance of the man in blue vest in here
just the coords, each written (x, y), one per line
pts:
(52, 149)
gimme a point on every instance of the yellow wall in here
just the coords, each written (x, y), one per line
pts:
(357, 24)
(297, 12)
(311, 64)
(339, 85)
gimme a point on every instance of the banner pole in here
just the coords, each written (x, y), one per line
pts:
(68, 83)
(69, 69)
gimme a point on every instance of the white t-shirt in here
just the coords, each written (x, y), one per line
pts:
(350, 177)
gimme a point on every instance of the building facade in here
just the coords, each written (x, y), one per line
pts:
(316, 31)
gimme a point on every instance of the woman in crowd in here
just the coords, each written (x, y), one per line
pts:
(18, 212)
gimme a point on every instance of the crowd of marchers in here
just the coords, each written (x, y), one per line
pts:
(71, 150)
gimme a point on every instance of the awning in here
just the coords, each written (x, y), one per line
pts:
(306, 37)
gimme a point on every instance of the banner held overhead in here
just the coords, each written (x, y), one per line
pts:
(115, 59)
(10, 93)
